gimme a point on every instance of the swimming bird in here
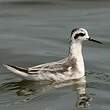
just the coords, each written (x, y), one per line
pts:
(71, 67)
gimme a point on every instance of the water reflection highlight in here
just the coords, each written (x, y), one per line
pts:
(32, 89)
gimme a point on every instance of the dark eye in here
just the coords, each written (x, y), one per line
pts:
(79, 34)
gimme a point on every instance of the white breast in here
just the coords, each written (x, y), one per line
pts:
(76, 52)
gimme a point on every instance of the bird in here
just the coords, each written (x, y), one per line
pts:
(69, 68)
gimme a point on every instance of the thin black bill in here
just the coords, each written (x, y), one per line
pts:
(95, 41)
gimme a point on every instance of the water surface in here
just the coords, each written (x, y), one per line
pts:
(37, 32)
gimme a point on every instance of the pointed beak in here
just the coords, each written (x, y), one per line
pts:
(95, 41)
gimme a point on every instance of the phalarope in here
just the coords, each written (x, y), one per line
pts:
(71, 67)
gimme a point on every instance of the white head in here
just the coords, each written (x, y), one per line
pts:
(81, 34)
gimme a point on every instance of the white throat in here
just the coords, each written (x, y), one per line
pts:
(76, 49)
(76, 52)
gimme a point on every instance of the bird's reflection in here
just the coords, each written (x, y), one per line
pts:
(27, 88)
(84, 99)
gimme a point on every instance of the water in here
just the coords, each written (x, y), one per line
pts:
(32, 33)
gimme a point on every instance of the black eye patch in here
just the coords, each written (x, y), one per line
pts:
(80, 34)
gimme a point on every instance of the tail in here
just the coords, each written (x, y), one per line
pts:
(17, 70)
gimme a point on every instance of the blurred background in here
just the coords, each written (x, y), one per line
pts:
(38, 31)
